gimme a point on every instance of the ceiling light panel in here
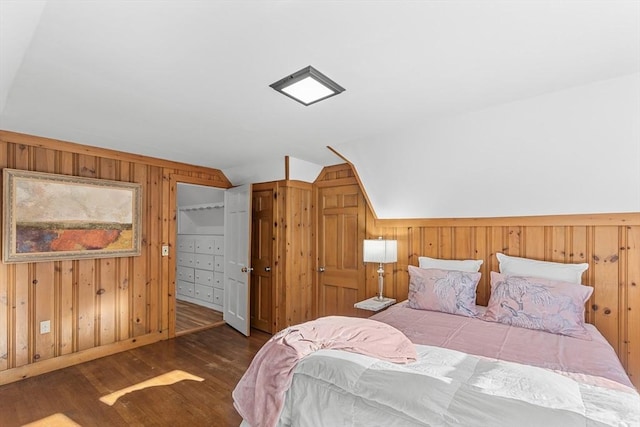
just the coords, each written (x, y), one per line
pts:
(307, 86)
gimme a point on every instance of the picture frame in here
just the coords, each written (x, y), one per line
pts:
(49, 217)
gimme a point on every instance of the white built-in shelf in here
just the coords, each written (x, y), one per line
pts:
(203, 206)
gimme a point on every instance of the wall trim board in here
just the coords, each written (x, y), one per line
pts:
(72, 147)
(292, 183)
(189, 179)
(50, 365)
(336, 182)
(614, 219)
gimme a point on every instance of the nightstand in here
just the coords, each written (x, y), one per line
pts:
(374, 304)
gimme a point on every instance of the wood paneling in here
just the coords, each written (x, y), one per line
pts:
(298, 231)
(610, 250)
(100, 307)
(262, 250)
(96, 307)
(630, 318)
(609, 243)
(294, 286)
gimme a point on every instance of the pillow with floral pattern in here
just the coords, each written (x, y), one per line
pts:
(449, 291)
(536, 303)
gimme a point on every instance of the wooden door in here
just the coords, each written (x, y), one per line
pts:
(341, 230)
(237, 208)
(261, 260)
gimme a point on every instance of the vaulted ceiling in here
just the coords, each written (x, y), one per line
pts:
(189, 80)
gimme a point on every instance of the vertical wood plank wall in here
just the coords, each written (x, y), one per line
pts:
(294, 254)
(99, 307)
(609, 243)
(96, 307)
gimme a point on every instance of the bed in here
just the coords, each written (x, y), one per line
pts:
(469, 370)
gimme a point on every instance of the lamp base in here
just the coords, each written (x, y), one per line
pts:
(380, 282)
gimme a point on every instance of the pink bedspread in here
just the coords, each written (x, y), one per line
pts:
(564, 354)
(259, 396)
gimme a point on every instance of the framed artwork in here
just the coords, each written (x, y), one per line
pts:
(56, 217)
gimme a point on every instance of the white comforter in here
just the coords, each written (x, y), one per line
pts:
(446, 388)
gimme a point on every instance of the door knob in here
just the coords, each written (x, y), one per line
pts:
(246, 269)
(321, 269)
(267, 269)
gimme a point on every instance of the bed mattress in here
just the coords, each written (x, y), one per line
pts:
(446, 388)
(469, 373)
(594, 359)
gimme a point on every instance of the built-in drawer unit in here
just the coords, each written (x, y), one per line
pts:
(218, 263)
(199, 270)
(185, 289)
(218, 279)
(218, 295)
(204, 293)
(186, 259)
(186, 243)
(203, 261)
(185, 273)
(204, 277)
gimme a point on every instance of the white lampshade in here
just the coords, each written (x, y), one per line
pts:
(380, 251)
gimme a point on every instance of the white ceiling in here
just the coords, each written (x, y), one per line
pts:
(189, 80)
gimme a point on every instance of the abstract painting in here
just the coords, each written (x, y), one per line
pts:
(53, 217)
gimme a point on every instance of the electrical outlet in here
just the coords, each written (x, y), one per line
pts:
(45, 326)
(165, 250)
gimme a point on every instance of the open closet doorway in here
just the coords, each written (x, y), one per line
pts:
(199, 257)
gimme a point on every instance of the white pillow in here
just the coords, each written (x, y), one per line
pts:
(467, 265)
(514, 266)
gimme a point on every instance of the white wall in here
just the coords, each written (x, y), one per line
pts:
(18, 22)
(190, 194)
(265, 171)
(573, 151)
(269, 170)
(301, 170)
(204, 221)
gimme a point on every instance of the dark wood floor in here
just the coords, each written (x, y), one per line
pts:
(220, 355)
(192, 317)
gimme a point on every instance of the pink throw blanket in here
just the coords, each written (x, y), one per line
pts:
(259, 396)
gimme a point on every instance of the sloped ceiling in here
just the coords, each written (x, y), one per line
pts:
(189, 80)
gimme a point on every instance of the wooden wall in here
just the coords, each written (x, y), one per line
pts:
(294, 254)
(99, 307)
(96, 307)
(609, 243)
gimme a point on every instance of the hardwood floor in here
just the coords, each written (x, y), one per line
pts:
(192, 317)
(219, 355)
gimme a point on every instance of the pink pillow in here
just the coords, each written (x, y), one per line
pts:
(536, 303)
(448, 291)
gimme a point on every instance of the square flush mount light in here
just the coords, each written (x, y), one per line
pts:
(308, 86)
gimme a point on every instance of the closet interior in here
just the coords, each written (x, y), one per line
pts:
(199, 256)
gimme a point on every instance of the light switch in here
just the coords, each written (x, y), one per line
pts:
(45, 327)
